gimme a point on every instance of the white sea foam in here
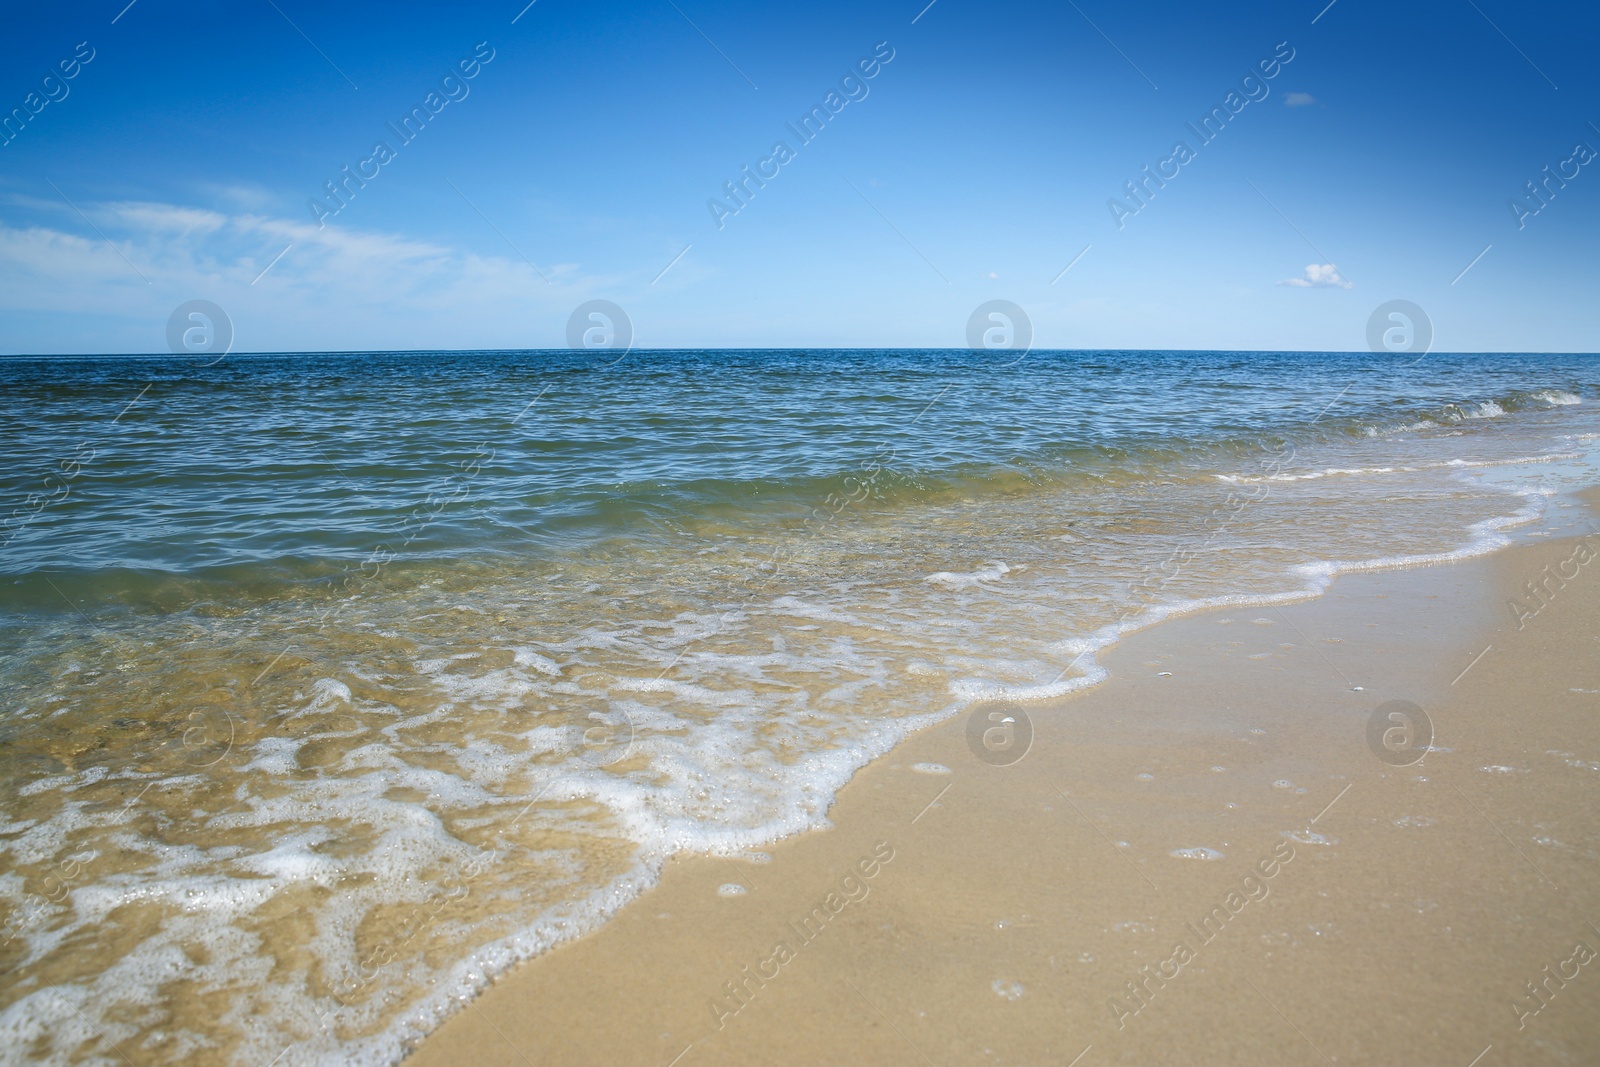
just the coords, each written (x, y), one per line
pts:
(1333, 472)
(527, 657)
(991, 572)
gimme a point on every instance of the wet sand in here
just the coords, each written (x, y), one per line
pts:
(1213, 857)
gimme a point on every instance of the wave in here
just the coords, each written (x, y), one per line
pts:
(1458, 464)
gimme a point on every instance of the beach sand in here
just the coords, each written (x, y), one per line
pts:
(1351, 910)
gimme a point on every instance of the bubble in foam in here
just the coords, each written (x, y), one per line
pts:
(930, 768)
(1196, 854)
(731, 889)
(1006, 989)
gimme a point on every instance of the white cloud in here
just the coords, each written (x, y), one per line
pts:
(163, 218)
(1299, 100)
(1320, 276)
(335, 287)
(243, 197)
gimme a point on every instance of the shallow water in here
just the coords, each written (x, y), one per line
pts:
(335, 684)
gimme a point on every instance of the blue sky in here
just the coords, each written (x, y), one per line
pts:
(577, 164)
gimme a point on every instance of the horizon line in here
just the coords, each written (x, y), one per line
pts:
(765, 348)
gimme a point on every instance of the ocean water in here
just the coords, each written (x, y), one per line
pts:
(336, 684)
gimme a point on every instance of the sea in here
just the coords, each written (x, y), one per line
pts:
(335, 685)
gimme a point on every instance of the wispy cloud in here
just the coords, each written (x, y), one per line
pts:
(1320, 276)
(338, 287)
(1299, 100)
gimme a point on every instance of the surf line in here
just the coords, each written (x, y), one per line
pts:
(1277, 458)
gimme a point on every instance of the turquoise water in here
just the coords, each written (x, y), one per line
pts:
(336, 684)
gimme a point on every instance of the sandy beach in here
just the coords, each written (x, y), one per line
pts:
(1216, 856)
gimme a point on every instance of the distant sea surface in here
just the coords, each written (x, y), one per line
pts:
(333, 685)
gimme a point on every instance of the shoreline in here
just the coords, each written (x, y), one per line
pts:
(684, 970)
